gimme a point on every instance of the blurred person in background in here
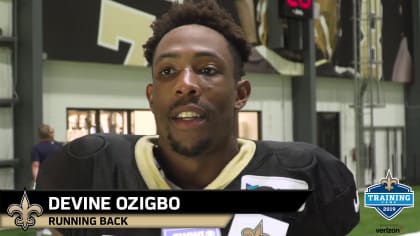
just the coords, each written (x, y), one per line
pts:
(46, 147)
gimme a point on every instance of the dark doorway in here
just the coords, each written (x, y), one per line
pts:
(329, 132)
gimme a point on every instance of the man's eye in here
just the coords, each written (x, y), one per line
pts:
(208, 71)
(167, 71)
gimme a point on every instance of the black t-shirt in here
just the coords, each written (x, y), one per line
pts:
(104, 161)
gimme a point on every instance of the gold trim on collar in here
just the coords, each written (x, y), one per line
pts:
(146, 164)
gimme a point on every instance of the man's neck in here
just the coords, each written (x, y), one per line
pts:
(45, 140)
(198, 171)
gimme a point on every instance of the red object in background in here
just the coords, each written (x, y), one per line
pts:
(304, 4)
(296, 8)
(292, 3)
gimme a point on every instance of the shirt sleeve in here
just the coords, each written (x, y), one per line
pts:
(333, 207)
(35, 155)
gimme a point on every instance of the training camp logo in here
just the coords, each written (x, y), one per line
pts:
(389, 197)
(24, 212)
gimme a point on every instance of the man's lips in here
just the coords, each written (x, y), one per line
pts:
(186, 112)
(188, 116)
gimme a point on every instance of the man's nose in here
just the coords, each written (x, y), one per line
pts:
(188, 83)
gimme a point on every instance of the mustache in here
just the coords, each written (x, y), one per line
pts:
(186, 101)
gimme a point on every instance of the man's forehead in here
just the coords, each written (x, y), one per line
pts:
(193, 27)
(177, 55)
(191, 32)
(203, 40)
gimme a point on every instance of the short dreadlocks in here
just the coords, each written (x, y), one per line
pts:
(202, 12)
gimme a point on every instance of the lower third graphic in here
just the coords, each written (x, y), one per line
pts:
(389, 197)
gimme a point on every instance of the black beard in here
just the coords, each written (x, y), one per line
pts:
(189, 152)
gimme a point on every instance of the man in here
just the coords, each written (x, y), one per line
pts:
(197, 54)
(45, 148)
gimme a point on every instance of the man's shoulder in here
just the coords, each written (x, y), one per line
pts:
(331, 208)
(100, 161)
(44, 146)
(93, 143)
(106, 137)
(293, 154)
(279, 146)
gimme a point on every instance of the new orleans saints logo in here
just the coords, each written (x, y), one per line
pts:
(24, 212)
(257, 231)
(389, 181)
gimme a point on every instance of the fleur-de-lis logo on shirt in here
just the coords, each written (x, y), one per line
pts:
(24, 212)
(257, 231)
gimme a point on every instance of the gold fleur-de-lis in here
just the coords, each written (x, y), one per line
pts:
(24, 212)
(388, 180)
(257, 231)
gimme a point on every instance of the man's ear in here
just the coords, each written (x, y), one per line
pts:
(149, 95)
(243, 91)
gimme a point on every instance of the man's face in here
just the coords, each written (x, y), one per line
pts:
(194, 95)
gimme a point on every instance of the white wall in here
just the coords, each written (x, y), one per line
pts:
(336, 95)
(6, 17)
(6, 82)
(83, 85)
(272, 95)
